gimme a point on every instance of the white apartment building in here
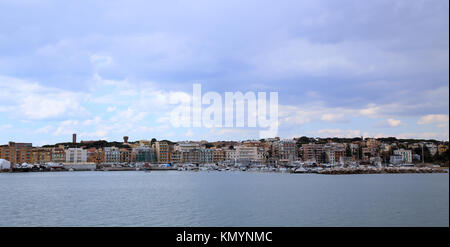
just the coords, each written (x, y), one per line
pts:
(406, 154)
(432, 148)
(247, 153)
(76, 155)
(285, 150)
(230, 154)
(186, 146)
(112, 154)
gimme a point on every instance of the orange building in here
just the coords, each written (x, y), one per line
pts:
(127, 155)
(163, 150)
(96, 155)
(17, 153)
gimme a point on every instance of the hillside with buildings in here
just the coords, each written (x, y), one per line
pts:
(269, 152)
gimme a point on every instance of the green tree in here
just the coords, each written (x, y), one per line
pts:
(348, 151)
(323, 156)
(360, 153)
(436, 157)
(426, 154)
(209, 145)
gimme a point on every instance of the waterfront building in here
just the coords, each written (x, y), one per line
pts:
(376, 161)
(368, 152)
(17, 153)
(396, 159)
(345, 160)
(76, 155)
(314, 153)
(372, 143)
(262, 154)
(177, 157)
(126, 155)
(206, 155)
(218, 155)
(59, 154)
(145, 143)
(245, 153)
(385, 147)
(186, 146)
(334, 151)
(285, 150)
(230, 154)
(273, 139)
(41, 155)
(354, 147)
(162, 152)
(144, 154)
(432, 148)
(191, 156)
(406, 154)
(96, 155)
(442, 148)
(112, 154)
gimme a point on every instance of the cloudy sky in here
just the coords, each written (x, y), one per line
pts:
(105, 69)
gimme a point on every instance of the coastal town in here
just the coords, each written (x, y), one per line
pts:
(357, 155)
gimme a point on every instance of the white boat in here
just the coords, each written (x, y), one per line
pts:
(300, 170)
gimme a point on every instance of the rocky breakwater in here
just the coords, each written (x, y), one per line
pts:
(381, 170)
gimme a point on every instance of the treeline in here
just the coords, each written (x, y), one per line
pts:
(442, 158)
(390, 140)
(99, 144)
(95, 144)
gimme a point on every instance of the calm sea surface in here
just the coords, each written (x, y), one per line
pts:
(222, 199)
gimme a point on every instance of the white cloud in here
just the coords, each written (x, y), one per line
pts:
(96, 135)
(331, 117)
(95, 120)
(433, 118)
(34, 101)
(444, 135)
(36, 106)
(390, 122)
(394, 122)
(338, 133)
(371, 110)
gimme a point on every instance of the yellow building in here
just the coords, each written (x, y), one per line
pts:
(17, 153)
(163, 152)
(41, 155)
(442, 148)
(218, 155)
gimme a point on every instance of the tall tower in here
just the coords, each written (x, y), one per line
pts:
(74, 138)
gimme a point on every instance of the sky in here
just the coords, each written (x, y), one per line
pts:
(106, 69)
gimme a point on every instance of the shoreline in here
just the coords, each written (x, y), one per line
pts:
(326, 171)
